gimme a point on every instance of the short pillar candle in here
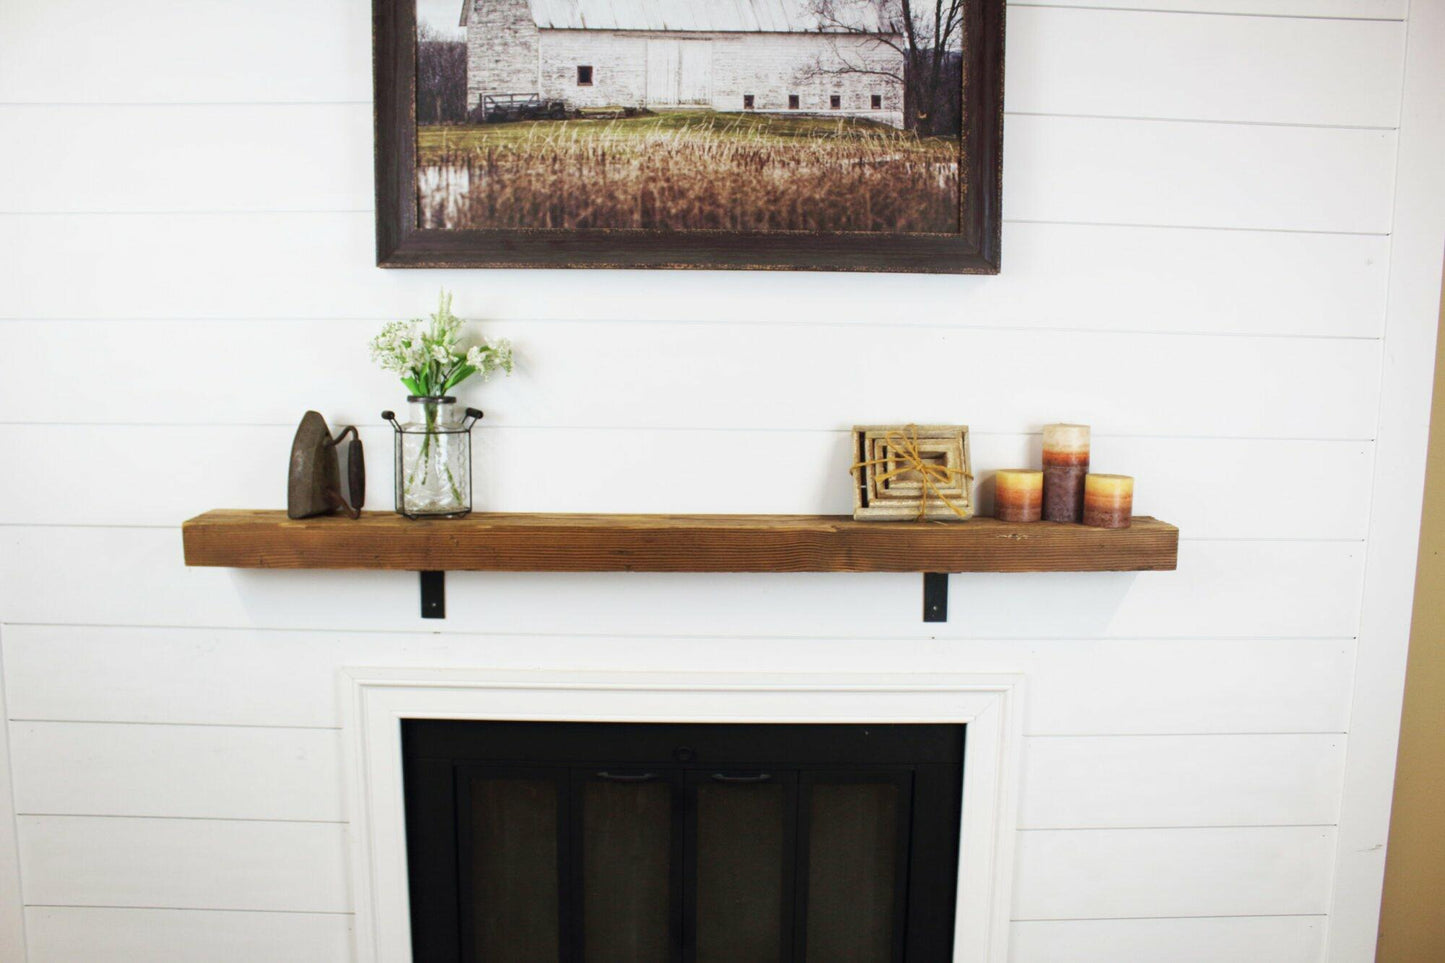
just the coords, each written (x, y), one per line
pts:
(1018, 495)
(1108, 500)
(1066, 462)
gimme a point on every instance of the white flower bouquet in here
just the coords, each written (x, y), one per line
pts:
(433, 452)
(428, 353)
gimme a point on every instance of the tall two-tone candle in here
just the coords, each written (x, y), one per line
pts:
(1066, 462)
(1108, 501)
(1018, 495)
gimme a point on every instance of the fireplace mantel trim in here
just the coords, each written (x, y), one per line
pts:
(375, 700)
(511, 542)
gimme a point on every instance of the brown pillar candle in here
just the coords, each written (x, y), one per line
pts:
(1018, 495)
(1108, 501)
(1066, 462)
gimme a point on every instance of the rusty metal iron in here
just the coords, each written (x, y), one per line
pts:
(315, 483)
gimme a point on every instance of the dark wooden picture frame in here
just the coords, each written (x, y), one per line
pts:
(973, 250)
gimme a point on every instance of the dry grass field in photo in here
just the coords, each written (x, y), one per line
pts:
(688, 170)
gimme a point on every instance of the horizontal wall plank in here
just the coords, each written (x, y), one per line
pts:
(802, 378)
(1105, 171)
(312, 265)
(271, 157)
(1351, 9)
(1258, 939)
(156, 50)
(1063, 874)
(1222, 589)
(221, 772)
(317, 158)
(1179, 479)
(1116, 873)
(252, 772)
(65, 934)
(252, 678)
(1101, 782)
(184, 864)
(1204, 67)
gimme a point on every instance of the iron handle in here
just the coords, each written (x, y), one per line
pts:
(724, 777)
(626, 777)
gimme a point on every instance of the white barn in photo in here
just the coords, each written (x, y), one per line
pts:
(729, 55)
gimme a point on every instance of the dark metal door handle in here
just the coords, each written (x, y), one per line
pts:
(626, 777)
(723, 777)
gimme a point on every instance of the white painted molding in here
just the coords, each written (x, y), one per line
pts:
(1412, 314)
(375, 700)
(12, 904)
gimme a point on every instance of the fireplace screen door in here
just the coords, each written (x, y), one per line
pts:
(676, 843)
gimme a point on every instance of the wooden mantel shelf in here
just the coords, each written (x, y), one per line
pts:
(670, 543)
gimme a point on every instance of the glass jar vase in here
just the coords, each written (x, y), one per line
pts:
(434, 458)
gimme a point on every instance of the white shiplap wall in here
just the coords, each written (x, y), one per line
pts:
(1199, 261)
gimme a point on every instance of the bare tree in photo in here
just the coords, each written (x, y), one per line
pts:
(441, 77)
(926, 36)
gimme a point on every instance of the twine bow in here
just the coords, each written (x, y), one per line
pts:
(904, 452)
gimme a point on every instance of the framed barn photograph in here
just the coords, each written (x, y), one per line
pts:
(832, 135)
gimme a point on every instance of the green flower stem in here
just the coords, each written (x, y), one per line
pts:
(424, 461)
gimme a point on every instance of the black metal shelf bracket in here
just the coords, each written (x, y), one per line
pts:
(935, 596)
(433, 595)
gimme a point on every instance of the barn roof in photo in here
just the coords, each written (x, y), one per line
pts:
(711, 16)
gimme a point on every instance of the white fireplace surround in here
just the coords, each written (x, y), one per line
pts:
(375, 700)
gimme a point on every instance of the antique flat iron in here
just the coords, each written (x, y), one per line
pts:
(315, 486)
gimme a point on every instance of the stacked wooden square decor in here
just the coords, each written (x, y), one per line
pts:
(911, 472)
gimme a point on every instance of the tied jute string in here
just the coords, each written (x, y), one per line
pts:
(905, 454)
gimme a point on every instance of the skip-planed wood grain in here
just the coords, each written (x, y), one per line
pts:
(671, 543)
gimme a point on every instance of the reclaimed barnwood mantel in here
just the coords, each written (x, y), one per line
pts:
(484, 542)
(671, 543)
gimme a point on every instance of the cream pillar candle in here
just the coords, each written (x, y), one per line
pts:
(1066, 462)
(1108, 500)
(1018, 495)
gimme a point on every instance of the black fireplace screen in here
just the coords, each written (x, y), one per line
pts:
(682, 843)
